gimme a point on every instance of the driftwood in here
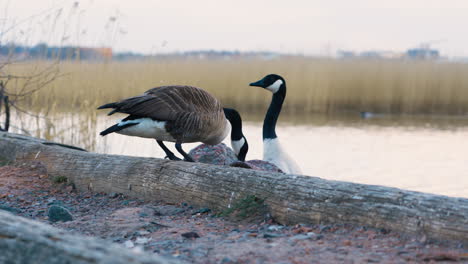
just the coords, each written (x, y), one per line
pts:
(27, 241)
(290, 199)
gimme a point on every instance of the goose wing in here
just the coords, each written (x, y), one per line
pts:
(168, 102)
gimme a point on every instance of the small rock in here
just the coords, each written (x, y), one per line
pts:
(270, 235)
(113, 195)
(191, 235)
(275, 227)
(227, 261)
(413, 245)
(253, 235)
(325, 229)
(143, 214)
(199, 253)
(384, 231)
(58, 213)
(116, 239)
(129, 244)
(143, 233)
(347, 243)
(299, 237)
(142, 240)
(202, 211)
(163, 210)
(314, 236)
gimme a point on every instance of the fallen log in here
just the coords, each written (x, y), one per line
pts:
(26, 241)
(290, 199)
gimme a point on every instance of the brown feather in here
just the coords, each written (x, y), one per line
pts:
(193, 114)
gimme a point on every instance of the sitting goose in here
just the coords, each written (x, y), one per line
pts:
(180, 114)
(272, 150)
(223, 155)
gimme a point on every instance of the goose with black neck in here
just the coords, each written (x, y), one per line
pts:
(221, 154)
(272, 149)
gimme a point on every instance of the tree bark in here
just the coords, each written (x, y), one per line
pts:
(27, 241)
(290, 199)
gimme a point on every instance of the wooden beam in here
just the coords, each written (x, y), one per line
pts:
(290, 199)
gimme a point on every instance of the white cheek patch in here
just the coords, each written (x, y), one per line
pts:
(275, 86)
(237, 145)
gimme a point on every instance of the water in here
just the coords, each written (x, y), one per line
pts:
(429, 157)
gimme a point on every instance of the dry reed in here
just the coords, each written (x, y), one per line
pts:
(314, 85)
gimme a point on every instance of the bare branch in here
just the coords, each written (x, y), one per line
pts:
(7, 114)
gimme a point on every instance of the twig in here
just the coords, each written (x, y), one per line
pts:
(2, 89)
(7, 113)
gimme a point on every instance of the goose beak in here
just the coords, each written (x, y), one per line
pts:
(257, 83)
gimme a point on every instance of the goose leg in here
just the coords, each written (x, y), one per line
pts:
(169, 153)
(181, 151)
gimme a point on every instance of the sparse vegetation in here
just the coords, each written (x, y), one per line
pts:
(247, 207)
(59, 179)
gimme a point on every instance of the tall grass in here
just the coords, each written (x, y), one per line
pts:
(314, 85)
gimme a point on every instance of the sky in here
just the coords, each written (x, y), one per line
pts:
(311, 27)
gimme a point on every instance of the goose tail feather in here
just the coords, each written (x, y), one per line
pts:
(116, 128)
(110, 105)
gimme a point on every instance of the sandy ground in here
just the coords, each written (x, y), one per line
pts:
(196, 235)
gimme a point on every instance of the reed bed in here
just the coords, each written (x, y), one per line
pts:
(314, 85)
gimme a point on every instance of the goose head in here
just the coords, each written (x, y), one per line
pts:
(272, 82)
(238, 141)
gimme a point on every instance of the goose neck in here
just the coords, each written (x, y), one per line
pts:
(274, 110)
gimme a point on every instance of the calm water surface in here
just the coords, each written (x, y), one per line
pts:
(423, 158)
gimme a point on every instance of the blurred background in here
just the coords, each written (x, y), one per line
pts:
(377, 91)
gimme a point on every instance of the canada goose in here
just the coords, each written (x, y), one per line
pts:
(221, 154)
(180, 114)
(238, 141)
(272, 150)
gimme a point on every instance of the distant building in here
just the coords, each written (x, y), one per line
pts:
(423, 54)
(370, 54)
(94, 53)
(346, 54)
(43, 51)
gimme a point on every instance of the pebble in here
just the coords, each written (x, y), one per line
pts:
(58, 213)
(270, 235)
(113, 195)
(311, 236)
(129, 244)
(202, 211)
(191, 235)
(227, 260)
(275, 227)
(143, 233)
(325, 229)
(164, 210)
(314, 236)
(199, 253)
(142, 240)
(299, 237)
